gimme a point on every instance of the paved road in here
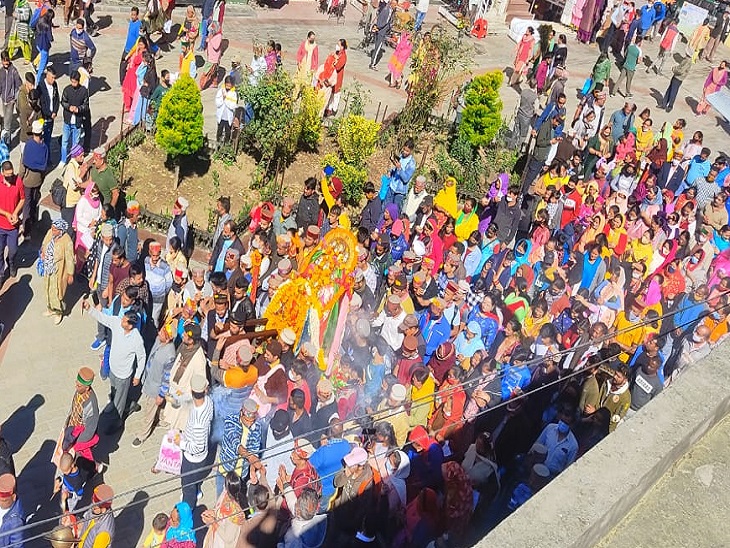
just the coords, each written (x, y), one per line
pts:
(688, 506)
(38, 361)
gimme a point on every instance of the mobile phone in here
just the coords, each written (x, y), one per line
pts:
(95, 298)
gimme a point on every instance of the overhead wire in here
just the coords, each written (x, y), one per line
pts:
(380, 417)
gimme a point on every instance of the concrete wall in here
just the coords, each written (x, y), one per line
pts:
(584, 503)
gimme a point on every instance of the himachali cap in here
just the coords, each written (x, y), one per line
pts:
(250, 407)
(181, 203)
(180, 273)
(463, 286)
(357, 457)
(237, 317)
(362, 328)
(236, 59)
(437, 302)
(198, 383)
(283, 239)
(267, 212)
(409, 257)
(362, 253)
(245, 354)
(452, 286)
(36, 127)
(275, 281)
(107, 230)
(541, 470)
(359, 275)
(193, 331)
(398, 392)
(133, 206)
(410, 343)
(313, 231)
(396, 268)
(7, 486)
(103, 495)
(325, 386)
(394, 299)
(288, 336)
(303, 448)
(309, 349)
(284, 267)
(246, 261)
(400, 282)
(428, 262)
(154, 245)
(409, 321)
(85, 376)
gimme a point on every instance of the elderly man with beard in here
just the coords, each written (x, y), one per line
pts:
(283, 219)
(615, 396)
(155, 382)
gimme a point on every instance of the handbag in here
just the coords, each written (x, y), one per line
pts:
(170, 457)
(58, 193)
(39, 266)
(586, 86)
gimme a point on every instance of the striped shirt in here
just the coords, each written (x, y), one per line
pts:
(194, 442)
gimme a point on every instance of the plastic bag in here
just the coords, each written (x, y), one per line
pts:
(170, 457)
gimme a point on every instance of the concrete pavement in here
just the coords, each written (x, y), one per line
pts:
(38, 361)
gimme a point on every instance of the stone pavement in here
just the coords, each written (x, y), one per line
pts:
(38, 361)
(688, 506)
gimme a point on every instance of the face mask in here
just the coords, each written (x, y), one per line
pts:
(337, 49)
(675, 162)
(636, 275)
(563, 428)
(716, 315)
(694, 260)
(671, 269)
(291, 376)
(696, 338)
(633, 317)
(509, 199)
(702, 239)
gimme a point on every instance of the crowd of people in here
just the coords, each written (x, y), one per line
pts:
(489, 341)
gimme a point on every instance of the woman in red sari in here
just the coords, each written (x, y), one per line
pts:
(715, 81)
(522, 55)
(129, 85)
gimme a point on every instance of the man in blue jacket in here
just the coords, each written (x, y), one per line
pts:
(434, 327)
(12, 513)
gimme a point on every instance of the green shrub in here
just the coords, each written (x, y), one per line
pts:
(180, 121)
(481, 118)
(308, 120)
(357, 137)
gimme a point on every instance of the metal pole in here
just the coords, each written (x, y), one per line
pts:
(377, 112)
(425, 154)
(385, 110)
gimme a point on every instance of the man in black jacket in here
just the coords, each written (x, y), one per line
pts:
(50, 101)
(308, 209)
(227, 240)
(10, 84)
(75, 103)
(381, 28)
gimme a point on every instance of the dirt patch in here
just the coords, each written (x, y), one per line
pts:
(153, 182)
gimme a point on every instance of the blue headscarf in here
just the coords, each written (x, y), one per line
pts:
(184, 531)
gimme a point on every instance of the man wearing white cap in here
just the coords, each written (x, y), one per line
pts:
(179, 224)
(35, 164)
(356, 494)
(414, 198)
(394, 412)
(159, 278)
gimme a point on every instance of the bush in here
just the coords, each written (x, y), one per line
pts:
(481, 118)
(180, 121)
(309, 123)
(270, 131)
(353, 177)
(357, 137)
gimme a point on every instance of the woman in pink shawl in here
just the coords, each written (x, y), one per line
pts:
(522, 55)
(86, 217)
(625, 147)
(399, 59)
(666, 255)
(715, 81)
(129, 85)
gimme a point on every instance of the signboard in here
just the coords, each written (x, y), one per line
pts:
(691, 16)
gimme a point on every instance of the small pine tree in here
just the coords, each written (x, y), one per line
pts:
(180, 121)
(482, 114)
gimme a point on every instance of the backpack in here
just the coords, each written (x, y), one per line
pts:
(58, 193)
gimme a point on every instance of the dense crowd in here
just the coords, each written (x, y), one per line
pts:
(489, 341)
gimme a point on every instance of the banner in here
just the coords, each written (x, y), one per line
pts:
(691, 16)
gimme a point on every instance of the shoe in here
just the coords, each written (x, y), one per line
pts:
(97, 344)
(59, 319)
(200, 494)
(101, 467)
(629, 95)
(669, 109)
(136, 442)
(49, 313)
(134, 407)
(612, 95)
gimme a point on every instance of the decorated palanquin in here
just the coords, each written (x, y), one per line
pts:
(315, 302)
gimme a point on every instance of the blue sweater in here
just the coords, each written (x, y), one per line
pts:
(35, 155)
